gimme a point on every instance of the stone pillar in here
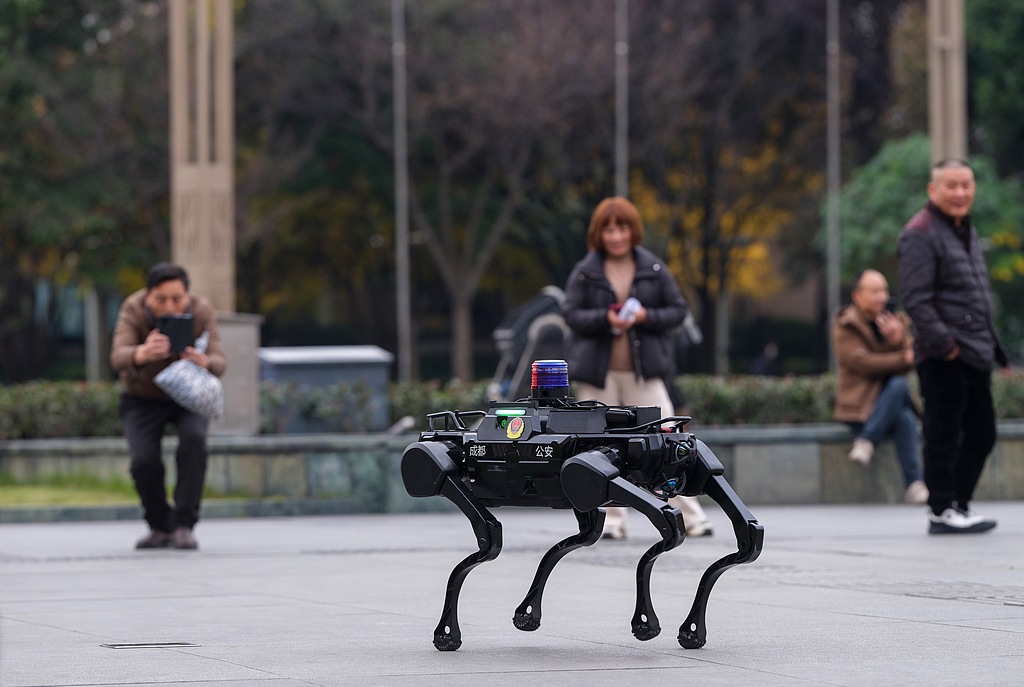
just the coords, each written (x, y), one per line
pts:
(202, 190)
(202, 146)
(240, 334)
(947, 79)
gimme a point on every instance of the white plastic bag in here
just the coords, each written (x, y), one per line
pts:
(193, 387)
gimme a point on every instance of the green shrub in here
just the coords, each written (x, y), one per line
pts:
(417, 400)
(1008, 393)
(59, 409)
(758, 400)
(78, 409)
(341, 407)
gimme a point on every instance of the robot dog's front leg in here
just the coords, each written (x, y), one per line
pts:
(527, 616)
(428, 470)
(749, 541)
(591, 479)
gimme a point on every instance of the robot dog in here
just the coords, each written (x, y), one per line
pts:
(550, 450)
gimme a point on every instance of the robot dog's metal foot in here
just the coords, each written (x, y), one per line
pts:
(689, 638)
(644, 631)
(444, 641)
(527, 616)
(526, 620)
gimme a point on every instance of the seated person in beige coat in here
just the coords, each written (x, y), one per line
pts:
(874, 352)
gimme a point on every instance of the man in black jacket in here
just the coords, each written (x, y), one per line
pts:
(945, 289)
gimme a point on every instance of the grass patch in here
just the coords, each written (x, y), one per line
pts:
(35, 495)
(65, 490)
(74, 490)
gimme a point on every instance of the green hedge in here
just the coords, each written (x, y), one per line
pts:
(758, 400)
(69, 409)
(59, 409)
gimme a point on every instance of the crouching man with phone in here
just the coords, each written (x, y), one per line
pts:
(147, 323)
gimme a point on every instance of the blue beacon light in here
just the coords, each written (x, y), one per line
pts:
(550, 379)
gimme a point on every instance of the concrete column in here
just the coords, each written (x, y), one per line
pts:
(202, 146)
(947, 79)
(202, 190)
(240, 334)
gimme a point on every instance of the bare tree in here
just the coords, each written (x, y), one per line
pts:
(486, 114)
(511, 101)
(492, 85)
(723, 127)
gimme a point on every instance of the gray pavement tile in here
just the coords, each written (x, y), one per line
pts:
(842, 595)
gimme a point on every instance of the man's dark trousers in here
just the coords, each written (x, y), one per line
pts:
(959, 428)
(144, 423)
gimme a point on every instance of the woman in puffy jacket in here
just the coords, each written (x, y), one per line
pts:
(622, 304)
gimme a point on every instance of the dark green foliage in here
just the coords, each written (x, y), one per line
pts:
(83, 161)
(995, 63)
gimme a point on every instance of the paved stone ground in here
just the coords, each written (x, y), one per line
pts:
(842, 595)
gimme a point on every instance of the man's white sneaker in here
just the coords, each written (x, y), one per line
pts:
(952, 521)
(862, 451)
(916, 493)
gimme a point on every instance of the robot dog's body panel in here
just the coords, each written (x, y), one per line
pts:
(551, 451)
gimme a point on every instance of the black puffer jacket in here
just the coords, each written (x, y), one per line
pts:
(945, 289)
(589, 294)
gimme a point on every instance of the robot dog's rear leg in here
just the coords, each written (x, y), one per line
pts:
(447, 635)
(590, 479)
(749, 540)
(669, 522)
(527, 616)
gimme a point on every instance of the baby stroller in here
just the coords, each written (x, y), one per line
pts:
(534, 331)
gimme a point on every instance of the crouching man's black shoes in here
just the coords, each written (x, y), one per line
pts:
(182, 538)
(154, 540)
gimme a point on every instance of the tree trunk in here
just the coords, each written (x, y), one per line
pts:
(708, 318)
(722, 333)
(24, 349)
(462, 339)
(97, 339)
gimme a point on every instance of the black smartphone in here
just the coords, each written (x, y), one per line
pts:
(178, 328)
(892, 306)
